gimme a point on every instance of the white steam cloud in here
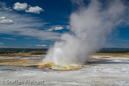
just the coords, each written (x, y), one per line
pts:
(90, 26)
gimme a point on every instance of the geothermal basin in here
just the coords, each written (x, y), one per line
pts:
(100, 70)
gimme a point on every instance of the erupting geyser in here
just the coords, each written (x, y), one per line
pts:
(89, 26)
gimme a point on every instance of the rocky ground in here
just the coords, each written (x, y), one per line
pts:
(101, 70)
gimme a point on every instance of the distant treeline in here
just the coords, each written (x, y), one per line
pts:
(114, 50)
(103, 50)
(17, 50)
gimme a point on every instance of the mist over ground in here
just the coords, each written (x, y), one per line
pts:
(90, 24)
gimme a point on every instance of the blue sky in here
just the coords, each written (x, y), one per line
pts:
(39, 23)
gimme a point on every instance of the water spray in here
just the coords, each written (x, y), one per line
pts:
(90, 26)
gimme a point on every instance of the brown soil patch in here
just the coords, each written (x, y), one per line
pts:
(8, 60)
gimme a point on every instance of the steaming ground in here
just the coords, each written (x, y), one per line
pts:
(90, 25)
(111, 71)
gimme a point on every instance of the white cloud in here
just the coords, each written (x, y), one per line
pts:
(50, 30)
(58, 28)
(3, 17)
(26, 25)
(35, 10)
(4, 7)
(23, 6)
(4, 20)
(41, 45)
(20, 6)
(9, 38)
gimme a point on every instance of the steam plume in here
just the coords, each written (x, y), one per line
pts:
(90, 26)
